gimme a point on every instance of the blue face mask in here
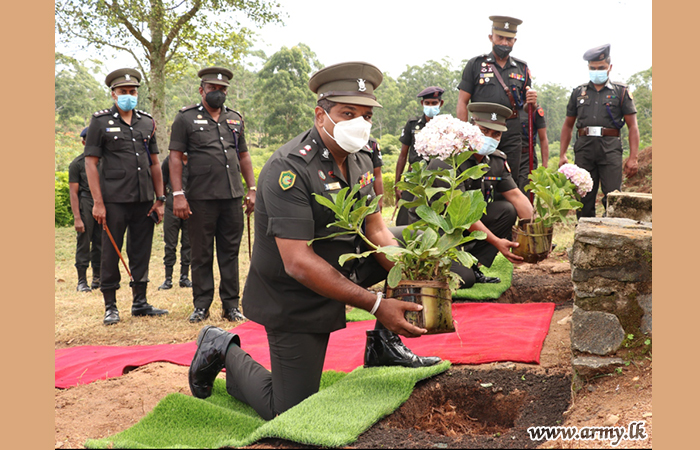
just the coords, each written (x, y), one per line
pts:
(598, 76)
(127, 102)
(431, 111)
(489, 146)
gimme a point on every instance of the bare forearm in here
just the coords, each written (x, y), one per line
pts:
(93, 177)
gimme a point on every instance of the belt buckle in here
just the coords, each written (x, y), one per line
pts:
(595, 131)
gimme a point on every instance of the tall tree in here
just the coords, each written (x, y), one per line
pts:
(77, 94)
(553, 99)
(284, 104)
(162, 35)
(640, 84)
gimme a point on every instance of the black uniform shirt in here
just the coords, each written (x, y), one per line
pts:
(286, 208)
(373, 148)
(479, 80)
(212, 151)
(123, 149)
(165, 168)
(589, 108)
(408, 137)
(76, 174)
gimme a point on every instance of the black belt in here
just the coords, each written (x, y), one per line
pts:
(598, 131)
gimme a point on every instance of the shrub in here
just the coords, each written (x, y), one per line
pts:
(62, 212)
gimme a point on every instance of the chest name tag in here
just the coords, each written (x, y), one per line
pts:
(366, 179)
(201, 122)
(333, 186)
(114, 130)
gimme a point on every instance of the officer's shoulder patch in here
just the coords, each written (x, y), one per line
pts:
(236, 112)
(188, 107)
(519, 60)
(287, 179)
(540, 111)
(499, 154)
(144, 113)
(101, 113)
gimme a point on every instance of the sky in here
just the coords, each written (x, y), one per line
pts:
(396, 34)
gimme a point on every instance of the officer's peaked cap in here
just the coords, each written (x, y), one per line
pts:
(215, 75)
(123, 77)
(490, 115)
(349, 82)
(505, 26)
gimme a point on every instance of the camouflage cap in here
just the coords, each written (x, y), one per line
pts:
(215, 75)
(123, 77)
(505, 26)
(597, 53)
(350, 82)
(490, 115)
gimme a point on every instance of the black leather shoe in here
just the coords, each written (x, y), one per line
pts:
(199, 315)
(147, 310)
(83, 286)
(481, 278)
(95, 283)
(209, 359)
(233, 315)
(385, 348)
(185, 282)
(167, 284)
(111, 317)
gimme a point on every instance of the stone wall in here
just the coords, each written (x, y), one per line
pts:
(611, 267)
(629, 205)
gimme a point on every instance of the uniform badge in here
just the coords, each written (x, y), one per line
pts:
(201, 122)
(127, 77)
(219, 77)
(114, 130)
(486, 80)
(307, 148)
(361, 85)
(481, 80)
(287, 179)
(111, 122)
(321, 175)
(199, 116)
(333, 186)
(581, 101)
(325, 153)
(302, 152)
(540, 111)
(506, 26)
(366, 179)
(233, 122)
(494, 117)
(507, 166)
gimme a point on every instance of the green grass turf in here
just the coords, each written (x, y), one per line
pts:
(358, 315)
(345, 407)
(501, 268)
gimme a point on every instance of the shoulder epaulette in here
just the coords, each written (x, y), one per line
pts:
(188, 107)
(500, 154)
(519, 60)
(234, 111)
(101, 113)
(619, 83)
(144, 113)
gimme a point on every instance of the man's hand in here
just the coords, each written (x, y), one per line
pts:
(79, 225)
(397, 191)
(504, 246)
(563, 160)
(391, 315)
(530, 96)
(631, 167)
(159, 209)
(181, 208)
(250, 202)
(99, 213)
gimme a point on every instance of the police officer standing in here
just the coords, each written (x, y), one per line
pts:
(539, 128)
(431, 101)
(173, 227)
(600, 108)
(88, 231)
(213, 136)
(296, 291)
(497, 77)
(123, 140)
(501, 210)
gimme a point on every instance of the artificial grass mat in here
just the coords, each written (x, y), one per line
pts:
(501, 268)
(345, 407)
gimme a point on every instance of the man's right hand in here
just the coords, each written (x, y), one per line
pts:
(504, 246)
(391, 315)
(563, 160)
(79, 225)
(397, 191)
(99, 213)
(181, 208)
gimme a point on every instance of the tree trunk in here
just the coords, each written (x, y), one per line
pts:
(157, 90)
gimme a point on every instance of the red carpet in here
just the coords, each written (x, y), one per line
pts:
(486, 332)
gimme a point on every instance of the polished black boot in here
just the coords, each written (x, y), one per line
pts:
(111, 312)
(82, 281)
(233, 315)
(168, 283)
(481, 278)
(209, 359)
(95, 278)
(384, 348)
(140, 307)
(184, 280)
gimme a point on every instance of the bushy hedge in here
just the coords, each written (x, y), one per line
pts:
(62, 211)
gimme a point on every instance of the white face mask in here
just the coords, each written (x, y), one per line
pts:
(351, 135)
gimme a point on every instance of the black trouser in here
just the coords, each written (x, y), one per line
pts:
(120, 217)
(512, 143)
(84, 255)
(525, 167)
(221, 220)
(605, 167)
(499, 219)
(171, 230)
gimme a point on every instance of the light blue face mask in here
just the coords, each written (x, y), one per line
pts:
(489, 146)
(126, 102)
(431, 111)
(598, 76)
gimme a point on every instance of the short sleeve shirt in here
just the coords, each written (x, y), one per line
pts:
(165, 168)
(537, 123)
(212, 151)
(124, 151)
(76, 174)
(372, 147)
(590, 107)
(286, 208)
(408, 137)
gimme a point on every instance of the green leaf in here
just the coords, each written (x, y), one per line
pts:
(431, 217)
(348, 256)
(395, 275)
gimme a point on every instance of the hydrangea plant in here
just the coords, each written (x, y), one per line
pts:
(558, 192)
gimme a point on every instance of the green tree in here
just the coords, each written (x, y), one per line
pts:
(283, 103)
(77, 94)
(162, 35)
(640, 85)
(553, 99)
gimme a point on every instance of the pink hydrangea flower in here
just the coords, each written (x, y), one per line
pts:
(580, 177)
(445, 136)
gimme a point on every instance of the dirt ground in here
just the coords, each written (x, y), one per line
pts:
(484, 406)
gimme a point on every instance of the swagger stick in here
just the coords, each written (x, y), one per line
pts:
(250, 250)
(117, 250)
(530, 143)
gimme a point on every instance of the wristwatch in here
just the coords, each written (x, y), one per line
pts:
(162, 198)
